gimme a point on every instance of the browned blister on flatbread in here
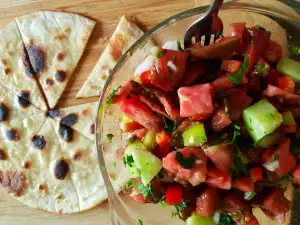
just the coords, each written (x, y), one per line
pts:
(13, 181)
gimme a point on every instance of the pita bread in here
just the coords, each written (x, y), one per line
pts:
(55, 41)
(80, 117)
(13, 106)
(124, 36)
(15, 71)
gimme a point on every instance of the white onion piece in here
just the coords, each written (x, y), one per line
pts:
(216, 217)
(272, 166)
(172, 66)
(144, 65)
(171, 45)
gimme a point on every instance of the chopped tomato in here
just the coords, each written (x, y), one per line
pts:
(146, 77)
(220, 120)
(290, 129)
(222, 156)
(230, 65)
(287, 160)
(141, 113)
(234, 204)
(168, 69)
(256, 173)
(286, 83)
(239, 29)
(237, 103)
(273, 75)
(222, 83)
(163, 141)
(273, 53)
(174, 194)
(152, 102)
(267, 155)
(296, 174)
(284, 96)
(195, 175)
(123, 91)
(208, 202)
(131, 126)
(196, 101)
(276, 203)
(196, 69)
(243, 184)
(218, 179)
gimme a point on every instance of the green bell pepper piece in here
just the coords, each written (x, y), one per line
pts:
(195, 135)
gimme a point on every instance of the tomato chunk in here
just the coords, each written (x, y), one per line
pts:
(218, 179)
(174, 194)
(237, 103)
(284, 96)
(196, 101)
(273, 53)
(273, 75)
(230, 65)
(163, 141)
(220, 120)
(196, 69)
(222, 83)
(256, 173)
(141, 113)
(208, 202)
(243, 184)
(276, 203)
(286, 83)
(296, 174)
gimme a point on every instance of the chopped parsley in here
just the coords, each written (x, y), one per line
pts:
(180, 209)
(109, 137)
(276, 157)
(186, 163)
(170, 126)
(219, 138)
(144, 190)
(179, 46)
(110, 97)
(294, 148)
(295, 50)
(129, 160)
(261, 69)
(130, 184)
(225, 220)
(160, 54)
(219, 34)
(163, 203)
(237, 77)
(140, 222)
(259, 27)
(115, 164)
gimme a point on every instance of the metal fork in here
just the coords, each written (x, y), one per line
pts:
(201, 29)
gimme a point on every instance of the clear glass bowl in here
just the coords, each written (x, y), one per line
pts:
(124, 211)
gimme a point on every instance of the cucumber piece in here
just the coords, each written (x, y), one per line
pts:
(269, 140)
(261, 119)
(288, 118)
(147, 164)
(135, 146)
(150, 140)
(195, 135)
(290, 68)
(197, 220)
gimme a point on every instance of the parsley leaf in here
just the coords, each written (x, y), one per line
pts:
(170, 126)
(237, 77)
(186, 163)
(294, 148)
(180, 209)
(295, 50)
(259, 27)
(110, 97)
(109, 137)
(179, 46)
(276, 157)
(130, 183)
(220, 137)
(129, 160)
(225, 220)
(144, 190)
(261, 69)
(140, 222)
(219, 34)
(115, 164)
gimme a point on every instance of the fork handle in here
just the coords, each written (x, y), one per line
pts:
(215, 7)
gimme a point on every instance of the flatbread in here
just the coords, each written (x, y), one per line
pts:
(13, 106)
(15, 72)
(124, 36)
(84, 168)
(80, 117)
(45, 190)
(55, 41)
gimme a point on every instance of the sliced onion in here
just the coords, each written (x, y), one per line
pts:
(216, 217)
(272, 166)
(249, 195)
(171, 45)
(144, 65)
(172, 66)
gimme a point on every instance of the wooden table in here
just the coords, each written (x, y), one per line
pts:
(146, 13)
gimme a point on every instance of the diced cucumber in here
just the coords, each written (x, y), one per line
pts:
(135, 146)
(126, 119)
(147, 164)
(197, 220)
(290, 68)
(150, 140)
(269, 140)
(261, 119)
(195, 135)
(288, 118)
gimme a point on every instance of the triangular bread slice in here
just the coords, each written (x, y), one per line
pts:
(84, 166)
(49, 185)
(122, 39)
(13, 106)
(80, 117)
(15, 71)
(55, 41)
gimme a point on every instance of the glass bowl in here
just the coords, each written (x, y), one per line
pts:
(124, 211)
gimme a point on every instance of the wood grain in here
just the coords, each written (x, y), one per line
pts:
(146, 13)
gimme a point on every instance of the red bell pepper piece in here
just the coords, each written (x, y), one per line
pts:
(174, 194)
(286, 83)
(163, 141)
(256, 173)
(273, 53)
(243, 184)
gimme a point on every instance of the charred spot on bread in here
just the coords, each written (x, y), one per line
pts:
(60, 75)
(49, 81)
(77, 156)
(44, 188)
(23, 99)
(116, 47)
(3, 112)
(37, 57)
(53, 113)
(60, 56)
(38, 142)
(66, 132)
(4, 62)
(26, 63)
(61, 169)
(92, 129)
(13, 182)
(3, 154)
(27, 165)
(12, 135)
(70, 119)
(7, 71)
